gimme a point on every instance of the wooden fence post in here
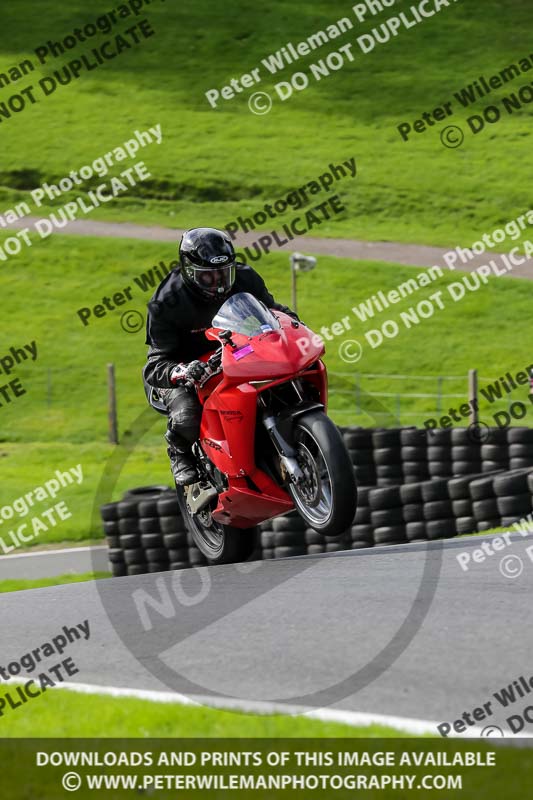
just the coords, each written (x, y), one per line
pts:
(439, 395)
(112, 404)
(473, 396)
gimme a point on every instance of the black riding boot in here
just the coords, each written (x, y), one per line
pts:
(181, 463)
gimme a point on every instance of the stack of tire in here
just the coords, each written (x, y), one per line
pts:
(415, 466)
(359, 444)
(413, 511)
(146, 533)
(513, 492)
(362, 532)
(465, 452)
(288, 536)
(182, 552)
(462, 504)
(439, 453)
(133, 532)
(501, 499)
(318, 544)
(115, 553)
(386, 515)
(388, 457)
(484, 505)
(314, 542)
(438, 510)
(520, 447)
(442, 508)
(495, 450)
(283, 536)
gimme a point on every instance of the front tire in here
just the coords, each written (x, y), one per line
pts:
(220, 544)
(327, 498)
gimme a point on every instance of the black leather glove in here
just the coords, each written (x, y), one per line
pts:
(192, 372)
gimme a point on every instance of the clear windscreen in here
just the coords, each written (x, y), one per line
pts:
(242, 313)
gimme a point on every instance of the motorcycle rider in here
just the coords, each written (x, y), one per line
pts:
(179, 313)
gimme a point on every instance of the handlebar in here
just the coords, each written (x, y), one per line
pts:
(213, 364)
(214, 361)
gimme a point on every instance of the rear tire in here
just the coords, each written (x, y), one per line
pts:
(327, 500)
(220, 544)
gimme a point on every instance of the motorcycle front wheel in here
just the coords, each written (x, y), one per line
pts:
(220, 544)
(326, 498)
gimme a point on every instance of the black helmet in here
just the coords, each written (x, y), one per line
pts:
(208, 262)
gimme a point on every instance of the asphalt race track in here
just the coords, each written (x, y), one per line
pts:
(399, 630)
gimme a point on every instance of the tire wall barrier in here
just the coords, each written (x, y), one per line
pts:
(414, 485)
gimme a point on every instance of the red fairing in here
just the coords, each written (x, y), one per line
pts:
(274, 354)
(229, 419)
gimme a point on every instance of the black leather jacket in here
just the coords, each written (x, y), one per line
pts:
(178, 318)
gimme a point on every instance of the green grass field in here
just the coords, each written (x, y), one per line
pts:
(216, 164)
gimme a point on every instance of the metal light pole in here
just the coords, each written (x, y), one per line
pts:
(299, 263)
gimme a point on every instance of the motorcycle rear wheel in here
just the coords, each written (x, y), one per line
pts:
(220, 544)
(327, 498)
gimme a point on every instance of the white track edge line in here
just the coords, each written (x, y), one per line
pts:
(375, 549)
(351, 718)
(55, 552)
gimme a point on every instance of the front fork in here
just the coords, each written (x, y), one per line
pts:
(286, 453)
(278, 427)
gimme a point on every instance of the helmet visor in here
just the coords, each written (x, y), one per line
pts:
(213, 281)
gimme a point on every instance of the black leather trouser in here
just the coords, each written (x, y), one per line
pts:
(184, 415)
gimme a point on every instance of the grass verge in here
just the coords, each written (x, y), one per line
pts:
(69, 714)
(40, 583)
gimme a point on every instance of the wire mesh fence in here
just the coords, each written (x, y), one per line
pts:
(69, 403)
(72, 403)
(413, 399)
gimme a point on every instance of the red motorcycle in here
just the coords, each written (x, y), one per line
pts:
(266, 445)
